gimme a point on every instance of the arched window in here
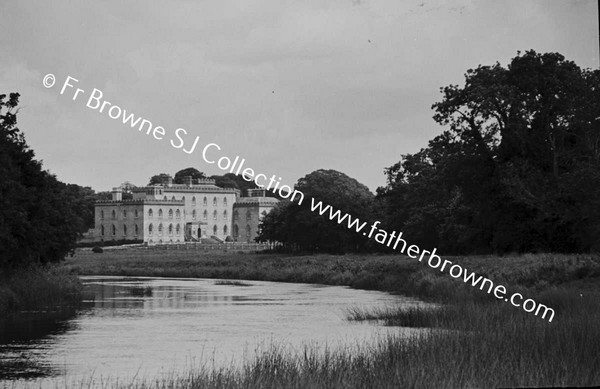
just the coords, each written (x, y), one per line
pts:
(215, 214)
(102, 215)
(235, 215)
(137, 230)
(224, 230)
(215, 229)
(177, 229)
(205, 201)
(225, 201)
(136, 214)
(170, 214)
(170, 229)
(160, 212)
(248, 215)
(114, 230)
(173, 198)
(225, 214)
(248, 230)
(165, 198)
(124, 214)
(178, 214)
(183, 198)
(160, 229)
(205, 214)
(102, 230)
(124, 229)
(114, 214)
(214, 201)
(150, 212)
(194, 200)
(150, 229)
(236, 231)
(194, 214)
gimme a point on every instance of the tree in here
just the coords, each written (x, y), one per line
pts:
(296, 225)
(41, 218)
(160, 179)
(181, 176)
(508, 173)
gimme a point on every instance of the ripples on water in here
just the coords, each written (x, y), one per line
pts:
(144, 327)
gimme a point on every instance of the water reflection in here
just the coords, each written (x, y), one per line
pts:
(144, 326)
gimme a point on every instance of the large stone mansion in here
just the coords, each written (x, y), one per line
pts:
(174, 213)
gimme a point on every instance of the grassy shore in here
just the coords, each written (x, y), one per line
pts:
(38, 289)
(473, 341)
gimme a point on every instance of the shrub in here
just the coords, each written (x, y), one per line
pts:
(98, 249)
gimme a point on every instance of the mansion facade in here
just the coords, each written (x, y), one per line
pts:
(176, 213)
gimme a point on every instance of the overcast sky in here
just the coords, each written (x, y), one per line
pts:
(291, 86)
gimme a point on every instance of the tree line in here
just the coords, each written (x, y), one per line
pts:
(516, 169)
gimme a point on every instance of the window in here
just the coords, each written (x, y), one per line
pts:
(124, 214)
(194, 200)
(173, 198)
(214, 201)
(114, 230)
(236, 231)
(170, 214)
(102, 215)
(102, 230)
(215, 214)
(225, 214)
(224, 230)
(150, 229)
(137, 231)
(205, 201)
(248, 215)
(215, 229)
(124, 229)
(114, 214)
(205, 214)
(177, 229)
(248, 231)
(160, 212)
(136, 214)
(194, 214)
(170, 229)
(150, 212)
(160, 229)
(183, 198)
(225, 201)
(178, 214)
(235, 215)
(165, 198)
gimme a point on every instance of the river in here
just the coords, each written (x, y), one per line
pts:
(144, 328)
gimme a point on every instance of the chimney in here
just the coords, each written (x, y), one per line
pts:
(170, 181)
(117, 194)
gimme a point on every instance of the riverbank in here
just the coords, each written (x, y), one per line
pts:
(476, 341)
(390, 273)
(38, 289)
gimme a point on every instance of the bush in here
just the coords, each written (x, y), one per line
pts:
(98, 250)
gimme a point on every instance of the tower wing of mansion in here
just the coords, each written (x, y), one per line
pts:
(175, 213)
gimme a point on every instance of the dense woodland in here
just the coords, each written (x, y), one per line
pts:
(515, 169)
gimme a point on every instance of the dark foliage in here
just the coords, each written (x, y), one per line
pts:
(518, 168)
(297, 227)
(40, 217)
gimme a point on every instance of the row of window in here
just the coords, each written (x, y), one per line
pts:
(204, 200)
(114, 214)
(170, 213)
(170, 229)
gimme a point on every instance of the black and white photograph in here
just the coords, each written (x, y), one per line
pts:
(299, 194)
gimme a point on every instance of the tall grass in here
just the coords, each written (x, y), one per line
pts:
(38, 288)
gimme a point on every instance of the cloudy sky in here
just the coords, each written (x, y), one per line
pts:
(291, 86)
